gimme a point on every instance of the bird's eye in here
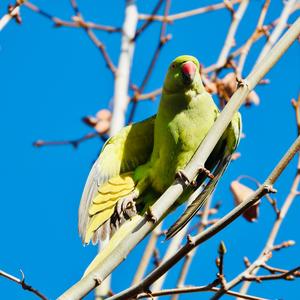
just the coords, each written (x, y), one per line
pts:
(173, 66)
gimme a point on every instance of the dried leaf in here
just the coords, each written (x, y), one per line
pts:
(240, 193)
(89, 120)
(228, 85)
(236, 155)
(252, 98)
(102, 126)
(104, 114)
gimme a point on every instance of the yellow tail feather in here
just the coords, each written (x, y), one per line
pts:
(120, 234)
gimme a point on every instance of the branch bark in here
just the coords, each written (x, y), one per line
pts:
(161, 206)
(187, 14)
(196, 289)
(23, 284)
(11, 14)
(229, 42)
(124, 67)
(288, 9)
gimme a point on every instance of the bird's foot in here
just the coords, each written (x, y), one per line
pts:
(126, 206)
(150, 216)
(183, 177)
(206, 172)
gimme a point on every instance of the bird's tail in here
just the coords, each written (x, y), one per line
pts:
(121, 234)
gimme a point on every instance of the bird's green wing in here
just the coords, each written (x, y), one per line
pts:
(219, 159)
(122, 153)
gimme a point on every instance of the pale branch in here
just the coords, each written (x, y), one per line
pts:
(230, 38)
(120, 97)
(238, 51)
(163, 39)
(281, 25)
(80, 20)
(141, 270)
(288, 275)
(149, 96)
(195, 289)
(75, 143)
(173, 247)
(220, 264)
(13, 12)
(161, 206)
(186, 14)
(58, 22)
(276, 270)
(149, 21)
(176, 242)
(259, 28)
(296, 105)
(189, 257)
(25, 286)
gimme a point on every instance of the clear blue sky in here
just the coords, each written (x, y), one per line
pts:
(51, 78)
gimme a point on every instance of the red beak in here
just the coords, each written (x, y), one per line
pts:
(189, 70)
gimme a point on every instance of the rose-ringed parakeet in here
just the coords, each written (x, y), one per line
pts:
(139, 163)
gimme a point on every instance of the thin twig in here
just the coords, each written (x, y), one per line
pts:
(149, 96)
(281, 25)
(75, 143)
(288, 275)
(140, 272)
(186, 14)
(12, 13)
(23, 284)
(148, 21)
(186, 290)
(189, 257)
(258, 30)
(58, 22)
(163, 39)
(230, 40)
(120, 98)
(79, 18)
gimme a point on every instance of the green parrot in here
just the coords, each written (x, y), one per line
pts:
(140, 162)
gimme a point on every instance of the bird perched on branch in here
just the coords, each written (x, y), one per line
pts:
(140, 162)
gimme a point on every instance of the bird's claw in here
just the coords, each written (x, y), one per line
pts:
(206, 172)
(183, 177)
(150, 216)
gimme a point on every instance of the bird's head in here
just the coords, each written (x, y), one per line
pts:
(183, 74)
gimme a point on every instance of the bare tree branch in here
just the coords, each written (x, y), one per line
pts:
(253, 37)
(58, 22)
(147, 255)
(281, 25)
(163, 39)
(230, 41)
(186, 290)
(187, 14)
(13, 12)
(121, 84)
(75, 143)
(25, 286)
